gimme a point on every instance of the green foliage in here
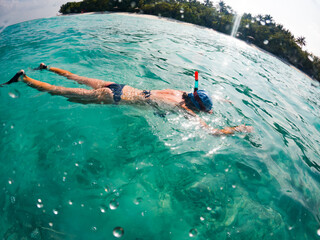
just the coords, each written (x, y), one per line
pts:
(259, 30)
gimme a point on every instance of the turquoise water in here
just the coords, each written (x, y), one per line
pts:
(73, 171)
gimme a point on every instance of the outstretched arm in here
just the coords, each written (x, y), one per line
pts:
(215, 131)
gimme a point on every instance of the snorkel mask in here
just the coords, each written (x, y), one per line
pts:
(200, 98)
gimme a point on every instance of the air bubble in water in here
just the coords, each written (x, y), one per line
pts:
(102, 210)
(193, 232)
(55, 211)
(81, 140)
(265, 42)
(14, 94)
(133, 4)
(94, 229)
(114, 204)
(137, 201)
(318, 232)
(118, 232)
(70, 202)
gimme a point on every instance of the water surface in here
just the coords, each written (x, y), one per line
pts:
(73, 171)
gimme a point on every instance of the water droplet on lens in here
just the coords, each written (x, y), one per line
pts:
(14, 94)
(137, 201)
(193, 232)
(55, 211)
(133, 4)
(114, 204)
(118, 232)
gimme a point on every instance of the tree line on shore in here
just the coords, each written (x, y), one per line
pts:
(260, 30)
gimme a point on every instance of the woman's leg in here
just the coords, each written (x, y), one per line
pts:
(74, 94)
(91, 82)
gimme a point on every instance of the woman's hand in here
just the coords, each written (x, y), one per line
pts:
(230, 130)
(243, 128)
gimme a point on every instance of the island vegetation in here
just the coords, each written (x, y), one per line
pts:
(260, 30)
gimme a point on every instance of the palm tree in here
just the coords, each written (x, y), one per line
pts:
(224, 8)
(301, 41)
(268, 19)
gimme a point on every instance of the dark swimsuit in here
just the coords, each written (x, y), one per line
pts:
(116, 90)
(146, 93)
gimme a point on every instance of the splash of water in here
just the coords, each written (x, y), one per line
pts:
(236, 24)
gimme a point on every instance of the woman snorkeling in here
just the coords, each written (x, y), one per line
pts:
(105, 92)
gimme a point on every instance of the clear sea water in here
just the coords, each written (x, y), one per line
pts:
(73, 171)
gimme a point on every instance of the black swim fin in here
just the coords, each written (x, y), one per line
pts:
(14, 79)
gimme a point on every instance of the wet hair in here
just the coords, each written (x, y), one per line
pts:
(189, 103)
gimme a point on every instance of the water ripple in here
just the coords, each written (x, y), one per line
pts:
(82, 160)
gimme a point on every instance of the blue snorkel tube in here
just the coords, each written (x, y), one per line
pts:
(196, 77)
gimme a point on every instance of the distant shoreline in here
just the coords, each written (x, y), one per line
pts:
(148, 16)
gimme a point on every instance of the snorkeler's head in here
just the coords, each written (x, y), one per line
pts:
(201, 100)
